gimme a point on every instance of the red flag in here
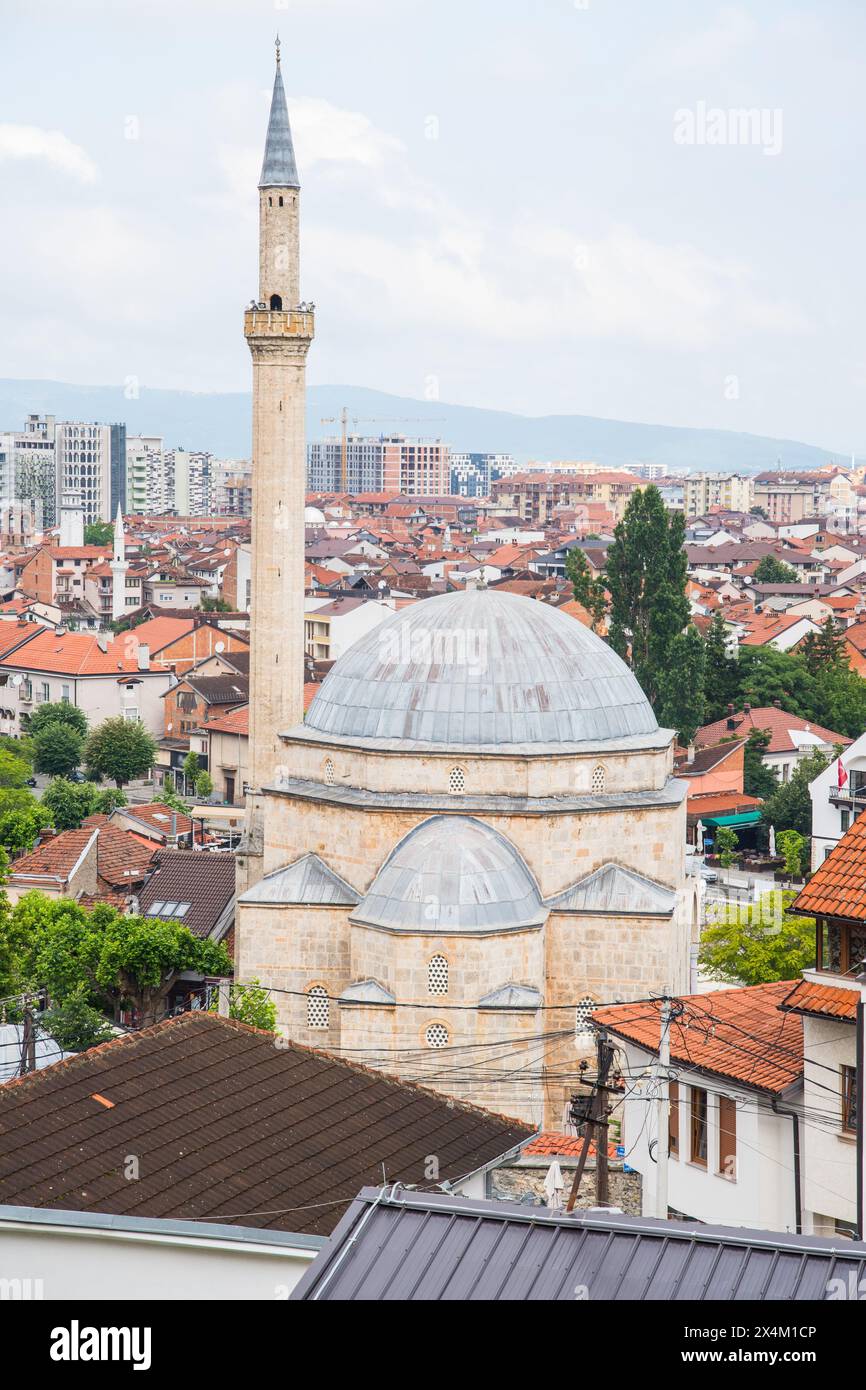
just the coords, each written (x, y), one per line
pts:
(843, 776)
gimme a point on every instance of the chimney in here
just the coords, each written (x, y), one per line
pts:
(102, 641)
(690, 754)
(747, 709)
(777, 704)
(143, 656)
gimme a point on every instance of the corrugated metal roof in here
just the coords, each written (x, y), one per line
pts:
(308, 881)
(410, 1247)
(478, 668)
(453, 874)
(615, 889)
(279, 169)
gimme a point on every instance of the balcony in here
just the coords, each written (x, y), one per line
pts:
(850, 797)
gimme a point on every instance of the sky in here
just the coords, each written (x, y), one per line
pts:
(546, 206)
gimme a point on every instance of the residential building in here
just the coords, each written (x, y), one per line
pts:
(791, 497)
(30, 468)
(85, 464)
(332, 626)
(389, 462)
(177, 644)
(838, 798)
(224, 742)
(791, 738)
(143, 458)
(536, 496)
(706, 492)
(473, 475)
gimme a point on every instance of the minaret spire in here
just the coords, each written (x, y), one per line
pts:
(279, 169)
(119, 567)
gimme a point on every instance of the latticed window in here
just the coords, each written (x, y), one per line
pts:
(437, 976)
(457, 781)
(437, 1035)
(583, 1017)
(318, 1007)
(330, 773)
(599, 778)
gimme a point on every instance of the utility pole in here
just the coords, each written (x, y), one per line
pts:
(28, 1041)
(663, 1109)
(597, 1126)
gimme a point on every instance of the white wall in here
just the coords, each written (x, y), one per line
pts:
(173, 1260)
(826, 814)
(829, 1157)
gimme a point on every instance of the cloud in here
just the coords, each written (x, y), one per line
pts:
(732, 30)
(31, 142)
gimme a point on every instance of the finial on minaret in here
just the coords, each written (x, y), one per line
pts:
(278, 50)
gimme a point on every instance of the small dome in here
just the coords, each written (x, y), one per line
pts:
(453, 874)
(313, 516)
(477, 669)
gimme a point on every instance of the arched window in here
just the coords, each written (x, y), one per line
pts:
(330, 773)
(583, 1017)
(437, 1035)
(318, 1007)
(457, 781)
(599, 778)
(437, 976)
(276, 302)
(281, 200)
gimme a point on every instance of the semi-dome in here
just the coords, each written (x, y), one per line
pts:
(481, 668)
(453, 874)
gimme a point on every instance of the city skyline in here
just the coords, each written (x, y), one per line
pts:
(488, 258)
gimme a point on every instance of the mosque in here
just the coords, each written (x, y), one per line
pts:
(475, 835)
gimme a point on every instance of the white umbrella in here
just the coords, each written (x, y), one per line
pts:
(700, 836)
(554, 1186)
(772, 841)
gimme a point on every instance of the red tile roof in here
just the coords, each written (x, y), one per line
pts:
(238, 722)
(828, 1001)
(562, 1146)
(737, 1033)
(121, 858)
(777, 722)
(838, 886)
(56, 857)
(72, 654)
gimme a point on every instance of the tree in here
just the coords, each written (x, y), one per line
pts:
(204, 785)
(758, 943)
(589, 590)
(721, 671)
(758, 779)
(790, 806)
(75, 1025)
(57, 749)
(250, 1003)
(773, 571)
(22, 818)
(169, 797)
(191, 767)
(70, 802)
(646, 579)
(792, 846)
(121, 961)
(823, 650)
(215, 605)
(727, 843)
(57, 712)
(14, 770)
(681, 685)
(99, 533)
(121, 749)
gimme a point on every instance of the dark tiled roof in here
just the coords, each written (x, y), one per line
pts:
(220, 690)
(205, 881)
(419, 1247)
(121, 857)
(228, 1127)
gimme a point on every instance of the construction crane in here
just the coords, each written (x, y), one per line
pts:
(343, 420)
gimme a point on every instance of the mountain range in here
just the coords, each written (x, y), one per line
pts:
(220, 423)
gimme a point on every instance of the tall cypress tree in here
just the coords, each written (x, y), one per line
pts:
(721, 671)
(646, 579)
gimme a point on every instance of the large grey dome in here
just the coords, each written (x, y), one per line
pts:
(453, 874)
(481, 668)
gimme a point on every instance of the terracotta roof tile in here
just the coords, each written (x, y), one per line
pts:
(828, 1001)
(777, 722)
(56, 857)
(737, 1033)
(838, 886)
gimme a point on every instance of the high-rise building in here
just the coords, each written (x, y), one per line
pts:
(118, 467)
(83, 459)
(473, 475)
(726, 491)
(143, 460)
(389, 463)
(29, 474)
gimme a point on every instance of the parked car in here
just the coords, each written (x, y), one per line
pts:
(77, 776)
(707, 874)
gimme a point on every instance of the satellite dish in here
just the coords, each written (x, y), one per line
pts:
(169, 729)
(220, 647)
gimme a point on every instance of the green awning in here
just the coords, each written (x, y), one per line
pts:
(744, 818)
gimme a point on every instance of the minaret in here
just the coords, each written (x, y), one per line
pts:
(279, 332)
(119, 567)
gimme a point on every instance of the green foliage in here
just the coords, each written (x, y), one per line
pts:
(191, 767)
(588, 589)
(721, 671)
(169, 797)
(727, 843)
(251, 1004)
(57, 749)
(758, 779)
(22, 817)
(646, 579)
(57, 712)
(14, 770)
(204, 785)
(99, 533)
(790, 806)
(773, 571)
(70, 803)
(793, 846)
(758, 943)
(681, 685)
(215, 605)
(121, 749)
(76, 1025)
(823, 649)
(120, 961)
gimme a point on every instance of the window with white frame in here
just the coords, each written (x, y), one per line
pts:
(437, 976)
(318, 1007)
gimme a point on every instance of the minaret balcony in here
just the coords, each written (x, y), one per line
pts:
(261, 322)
